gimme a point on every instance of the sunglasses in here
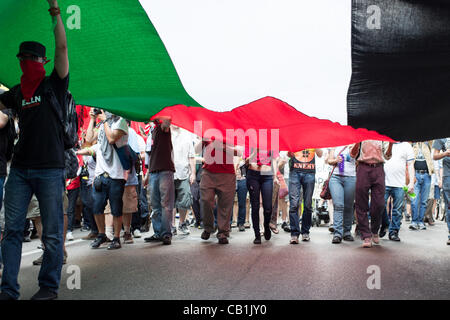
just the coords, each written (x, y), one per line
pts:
(28, 57)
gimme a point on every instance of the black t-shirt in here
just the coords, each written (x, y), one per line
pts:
(4, 145)
(161, 156)
(304, 161)
(40, 142)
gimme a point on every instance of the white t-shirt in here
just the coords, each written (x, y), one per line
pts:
(183, 150)
(349, 163)
(395, 168)
(116, 170)
(141, 143)
(133, 140)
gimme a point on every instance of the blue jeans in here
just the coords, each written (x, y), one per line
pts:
(398, 196)
(2, 182)
(143, 203)
(260, 185)
(88, 209)
(242, 200)
(163, 199)
(48, 186)
(446, 187)
(419, 205)
(342, 191)
(299, 180)
(72, 196)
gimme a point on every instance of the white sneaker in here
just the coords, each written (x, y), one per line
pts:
(137, 233)
(294, 240)
(69, 236)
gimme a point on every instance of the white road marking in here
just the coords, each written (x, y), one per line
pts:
(29, 253)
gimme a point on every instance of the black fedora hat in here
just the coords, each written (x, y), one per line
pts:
(31, 47)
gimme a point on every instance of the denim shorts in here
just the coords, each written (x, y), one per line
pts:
(112, 190)
(437, 192)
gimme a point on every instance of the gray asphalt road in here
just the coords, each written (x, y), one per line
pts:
(190, 268)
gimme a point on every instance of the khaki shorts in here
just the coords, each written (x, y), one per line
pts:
(130, 201)
(35, 212)
(33, 208)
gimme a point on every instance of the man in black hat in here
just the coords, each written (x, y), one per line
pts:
(38, 162)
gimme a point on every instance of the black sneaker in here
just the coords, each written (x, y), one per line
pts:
(167, 240)
(115, 244)
(286, 227)
(257, 240)
(382, 232)
(44, 294)
(174, 231)
(241, 228)
(205, 235)
(153, 238)
(394, 236)
(223, 240)
(336, 239)
(98, 241)
(407, 218)
(4, 297)
(349, 237)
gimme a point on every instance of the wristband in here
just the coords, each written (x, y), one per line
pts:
(54, 11)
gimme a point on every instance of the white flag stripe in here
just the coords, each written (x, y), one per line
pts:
(231, 52)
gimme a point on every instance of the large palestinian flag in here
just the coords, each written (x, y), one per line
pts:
(252, 64)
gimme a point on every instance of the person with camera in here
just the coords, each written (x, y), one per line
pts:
(38, 161)
(110, 176)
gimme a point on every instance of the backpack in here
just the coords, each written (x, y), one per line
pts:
(71, 164)
(127, 156)
(11, 136)
(67, 115)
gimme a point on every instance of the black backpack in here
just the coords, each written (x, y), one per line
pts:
(11, 136)
(67, 116)
(71, 164)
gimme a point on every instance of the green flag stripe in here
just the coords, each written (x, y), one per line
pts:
(117, 59)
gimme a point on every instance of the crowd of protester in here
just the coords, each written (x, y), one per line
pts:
(127, 182)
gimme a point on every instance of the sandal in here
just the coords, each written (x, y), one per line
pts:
(273, 228)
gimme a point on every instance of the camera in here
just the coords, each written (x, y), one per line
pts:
(96, 111)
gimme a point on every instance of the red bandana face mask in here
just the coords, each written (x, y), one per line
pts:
(33, 74)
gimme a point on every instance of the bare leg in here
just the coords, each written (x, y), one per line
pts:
(235, 211)
(117, 222)
(126, 221)
(100, 221)
(38, 225)
(183, 213)
(282, 204)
